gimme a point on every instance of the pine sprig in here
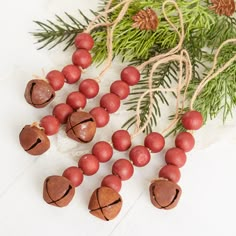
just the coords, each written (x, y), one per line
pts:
(50, 34)
(203, 29)
(162, 78)
(223, 29)
(129, 43)
(219, 95)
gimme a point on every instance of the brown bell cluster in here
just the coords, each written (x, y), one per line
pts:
(223, 7)
(146, 20)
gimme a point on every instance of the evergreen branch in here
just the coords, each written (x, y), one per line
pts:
(53, 33)
(75, 21)
(163, 77)
(203, 28)
(223, 29)
(130, 43)
(219, 95)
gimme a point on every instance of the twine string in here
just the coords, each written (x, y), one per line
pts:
(110, 34)
(185, 84)
(180, 34)
(163, 59)
(183, 57)
(93, 25)
(176, 89)
(110, 30)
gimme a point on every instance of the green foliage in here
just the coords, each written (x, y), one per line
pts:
(223, 29)
(50, 34)
(129, 43)
(219, 95)
(163, 77)
(204, 32)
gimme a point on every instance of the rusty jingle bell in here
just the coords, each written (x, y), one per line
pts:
(81, 126)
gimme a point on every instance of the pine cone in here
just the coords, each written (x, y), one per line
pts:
(223, 7)
(145, 20)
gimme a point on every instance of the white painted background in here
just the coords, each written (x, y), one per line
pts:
(207, 206)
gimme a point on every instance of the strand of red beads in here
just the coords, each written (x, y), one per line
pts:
(165, 192)
(81, 126)
(106, 202)
(59, 190)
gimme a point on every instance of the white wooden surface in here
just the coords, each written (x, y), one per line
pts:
(207, 206)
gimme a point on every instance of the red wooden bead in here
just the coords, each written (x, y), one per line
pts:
(121, 140)
(82, 58)
(185, 141)
(154, 141)
(130, 75)
(192, 120)
(72, 73)
(112, 181)
(84, 40)
(123, 168)
(56, 79)
(76, 100)
(74, 174)
(62, 111)
(103, 151)
(89, 164)
(101, 116)
(170, 172)
(110, 102)
(139, 155)
(89, 87)
(120, 88)
(175, 156)
(50, 124)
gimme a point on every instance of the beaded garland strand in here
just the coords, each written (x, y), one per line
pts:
(40, 92)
